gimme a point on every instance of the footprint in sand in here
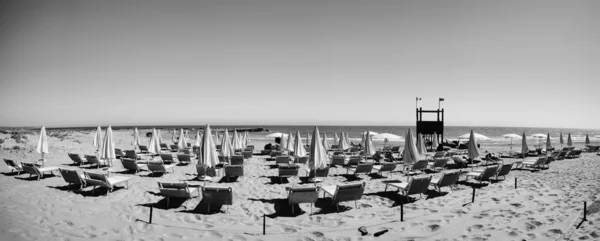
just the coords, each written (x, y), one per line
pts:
(289, 230)
(173, 236)
(237, 237)
(555, 231)
(433, 227)
(213, 234)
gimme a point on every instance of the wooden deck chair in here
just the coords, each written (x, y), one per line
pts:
(417, 185)
(33, 169)
(177, 190)
(160, 167)
(96, 179)
(338, 160)
(385, 167)
(76, 158)
(287, 171)
(167, 158)
(360, 168)
(233, 171)
(484, 175)
(184, 158)
(92, 159)
(282, 160)
(143, 149)
(297, 195)
(132, 165)
(237, 160)
(13, 166)
(73, 178)
(344, 193)
(217, 195)
(448, 179)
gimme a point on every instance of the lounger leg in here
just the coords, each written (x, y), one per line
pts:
(311, 211)
(168, 202)
(292, 208)
(337, 205)
(385, 188)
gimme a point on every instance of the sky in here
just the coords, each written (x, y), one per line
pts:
(496, 63)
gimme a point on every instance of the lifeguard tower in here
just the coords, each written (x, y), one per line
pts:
(430, 127)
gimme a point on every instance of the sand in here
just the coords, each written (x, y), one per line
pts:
(546, 205)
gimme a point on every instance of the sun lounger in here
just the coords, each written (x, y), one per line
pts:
(484, 175)
(76, 158)
(217, 195)
(439, 154)
(164, 147)
(573, 154)
(184, 158)
(591, 149)
(344, 193)
(177, 190)
(96, 179)
(234, 171)
(174, 148)
(354, 160)
(274, 153)
(218, 147)
(143, 149)
(297, 195)
(33, 169)
(167, 158)
(418, 166)
(287, 171)
(73, 178)
(160, 167)
(94, 160)
(205, 173)
(503, 171)
(119, 153)
(282, 160)
(438, 164)
(131, 154)
(396, 149)
(385, 167)
(338, 160)
(247, 154)
(13, 166)
(417, 185)
(133, 165)
(360, 168)
(536, 164)
(301, 160)
(448, 179)
(237, 160)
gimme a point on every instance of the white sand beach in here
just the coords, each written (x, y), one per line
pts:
(546, 204)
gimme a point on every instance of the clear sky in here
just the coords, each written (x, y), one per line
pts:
(497, 63)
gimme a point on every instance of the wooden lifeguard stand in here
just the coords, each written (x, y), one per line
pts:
(429, 128)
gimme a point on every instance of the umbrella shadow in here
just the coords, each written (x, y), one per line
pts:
(349, 177)
(375, 175)
(473, 184)
(228, 179)
(281, 206)
(395, 196)
(174, 203)
(326, 206)
(153, 174)
(204, 208)
(35, 178)
(10, 174)
(272, 166)
(276, 180)
(100, 191)
(68, 187)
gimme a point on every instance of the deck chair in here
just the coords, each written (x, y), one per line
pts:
(282, 160)
(338, 160)
(131, 154)
(96, 179)
(360, 168)
(287, 171)
(301, 160)
(591, 149)
(503, 171)
(33, 169)
(76, 158)
(177, 190)
(417, 185)
(73, 178)
(439, 154)
(167, 158)
(224, 159)
(132, 165)
(274, 153)
(205, 173)
(143, 149)
(448, 179)
(561, 155)
(247, 154)
(236, 160)
(13, 166)
(536, 164)
(417, 166)
(438, 164)
(573, 154)
(297, 195)
(385, 167)
(344, 193)
(396, 149)
(484, 175)
(251, 147)
(164, 147)
(184, 158)
(217, 195)
(160, 167)
(354, 160)
(119, 153)
(174, 148)
(233, 171)
(92, 159)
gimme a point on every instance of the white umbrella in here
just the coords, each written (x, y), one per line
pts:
(281, 141)
(336, 139)
(548, 143)
(98, 138)
(246, 138)
(561, 140)
(290, 142)
(299, 150)
(318, 158)
(227, 149)
(42, 146)
(435, 141)
(511, 136)
(174, 139)
(524, 147)
(343, 145)
(325, 142)
(569, 142)
(198, 139)
(307, 137)
(237, 143)
(369, 148)
(182, 144)
(208, 152)
(587, 139)
(154, 145)
(472, 150)
(136, 137)
(107, 152)
(421, 144)
(410, 154)
(389, 136)
(477, 136)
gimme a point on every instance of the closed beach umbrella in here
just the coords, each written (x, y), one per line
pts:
(299, 150)
(435, 141)
(548, 143)
(281, 140)
(217, 140)
(307, 137)
(136, 137)
(561, 140)
(246, 138)
(421, 144)
(226, 147)
(42, 146)
(198, 139)
(587, 139)
(98, 138)
(343, 145)
(174, 138)
(208, 152)
(524, 148)
(347, 139)
(473, 151)
(369, 148)
(362, 139)
(237, 143)
(160, 139)
(290, 143)
(154, 145)
(182, 144)
(325, 142)
(107, 152)
(410, 154)
(318, 158)
(569, 142)
(336, 139)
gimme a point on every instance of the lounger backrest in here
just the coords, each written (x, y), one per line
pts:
(354, 160)
(164, 146)
(206, 171)
(92, 159)
(504, 170)
(303, 195)
(338, 160)
(319, 172)
(218, 147)
(276, 153)
(282, 160)
(388, 167)
(334, 146)
(288, 171)
(439, 154)
(156, 167)
(350, 192)
(418, 185)
(174, 185)
(395, 148)
(302, 160)
(131, 154)
(166, 157)
(541, 161)
(75, 158)
(96, 179)
(217, 195)
(420, 165)
(237, 160)
(487, 173)
(12, 163)
(234, 170)
(129, 164)
(549, 160)
(143, 148)
(119, 152)
(364, 168)
(30, 168)
(71, 176)
(173, 147)
(247, 154)
(440, 162)
(184, 158)
(449, 178)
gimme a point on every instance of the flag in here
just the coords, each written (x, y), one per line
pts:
(441, 99)
(418, 98)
